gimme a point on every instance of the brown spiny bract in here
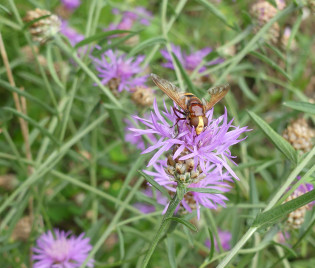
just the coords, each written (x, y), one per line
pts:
(183, 170)
(296, 217)
(284, 40)
(22, 229)
(143, 96)
(45, 28)
(300, 135)
(8, 182)
(262, 12)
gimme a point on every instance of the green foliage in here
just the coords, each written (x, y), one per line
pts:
(75, 171)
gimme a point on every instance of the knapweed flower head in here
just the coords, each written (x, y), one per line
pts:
(119, 72)
(61, 250)
(147, 208)
(190, 61)
(71, 4)
(225, 240)
(73, 36)
(46, 27)
(140, 14)
(197, 161)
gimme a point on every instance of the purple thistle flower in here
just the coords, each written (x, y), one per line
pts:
(146, 208)
(225, 239)
(189, 61)
(136, 140)
(114, 66)
(61, 251)
(73, 36)
(282, 238)
(303, 189)
(140, 14)
(193, 200)
(71, 4)
(210, 147)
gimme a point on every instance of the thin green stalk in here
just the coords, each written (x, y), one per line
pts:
(50, 162)
(113, 223)
(272, 203)
(180, 192)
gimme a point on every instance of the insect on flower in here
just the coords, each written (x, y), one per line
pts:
(194, 109)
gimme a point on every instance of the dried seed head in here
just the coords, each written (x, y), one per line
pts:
(8, 182)
(143, 96)
(28, 53)
(22, 229)
(183, 170)
(262, 12)
(113, 85)
(300, 135)
(296, 218)
(44, 28)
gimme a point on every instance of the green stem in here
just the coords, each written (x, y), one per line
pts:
(180, 192)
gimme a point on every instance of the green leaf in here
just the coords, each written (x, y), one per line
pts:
(271, 216)
(155, 184)
(282, 145)
(25, 94)
(288, 249)
(301, 106)
(216, 12)
(184, 74)
(271, 63)
(170, 245)
(244, 87)
(184, 222)
(147, 43)
(204, 190)
(121, 243)
(212, 246)
(99, 36)
(44, 131)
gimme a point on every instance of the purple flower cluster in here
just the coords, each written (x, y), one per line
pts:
(114, 66)
(303, 189)
(73, 36)
(61, 251)
(71, 4)
(225, 240)
(209, 151)
(189, 61)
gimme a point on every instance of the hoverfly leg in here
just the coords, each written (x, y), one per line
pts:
(176, 111)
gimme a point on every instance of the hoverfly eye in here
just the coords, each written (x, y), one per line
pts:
(205, 121)
(194, 121)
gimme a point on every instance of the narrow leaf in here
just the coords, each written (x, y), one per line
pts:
(216, 12)
(301, 106)
(282, 145)
(99, 36)
(184, 74)
(155, 184)
(184, 222)
(271, 63)
(271, 216)
(212, 246)
(204, 190)
(147, 43)
(32, 122)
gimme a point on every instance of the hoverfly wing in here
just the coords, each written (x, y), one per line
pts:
(170, 90)
(217, 93)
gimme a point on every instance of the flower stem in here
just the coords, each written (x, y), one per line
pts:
(180, 192)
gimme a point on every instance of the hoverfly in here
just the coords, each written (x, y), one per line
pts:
(194, 109)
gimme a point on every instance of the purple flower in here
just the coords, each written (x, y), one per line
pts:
(210, 147)
(189, 61)
(140, 14)
(71, 4)
(303, 189)
(73, 36)
(61, 251)
(225, 239)
(136, 140)
(198, 161)
(282, 237)
(193, 200)
(115, 67)
(146, 208)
